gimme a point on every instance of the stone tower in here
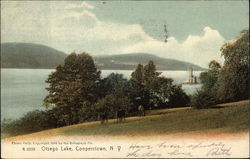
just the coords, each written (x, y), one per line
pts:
(191, 78)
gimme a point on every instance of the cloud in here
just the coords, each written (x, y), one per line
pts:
(83, 18)
(77, 15)
(87, 5)
(196, 49)
(81, 30)
(83, 5)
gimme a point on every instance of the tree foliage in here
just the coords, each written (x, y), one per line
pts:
(178, 98)
(145, 74)
(202, 99)
(73, 85)
(229, 82)
(210, 77)
(31, 122)
(150, 72)
(233, 81)
(111, 83)
(111, 103)
(138, 74)
(153, 91)
(138, 94)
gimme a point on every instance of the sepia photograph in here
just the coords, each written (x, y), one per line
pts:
(125, 79)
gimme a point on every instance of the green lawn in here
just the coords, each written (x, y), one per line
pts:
(231, 117)
(225, 118)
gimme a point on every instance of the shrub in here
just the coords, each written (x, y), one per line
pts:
(112, 103)
(202, 99)
(178, 98)
(31, 122)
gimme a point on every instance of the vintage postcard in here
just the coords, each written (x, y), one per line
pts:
(125, 79)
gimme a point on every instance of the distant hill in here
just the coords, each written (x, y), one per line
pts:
(130, 61)
(28, 55)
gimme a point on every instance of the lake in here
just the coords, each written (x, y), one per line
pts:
(23, 90)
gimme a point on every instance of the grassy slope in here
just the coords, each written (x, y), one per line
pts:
(226, 118)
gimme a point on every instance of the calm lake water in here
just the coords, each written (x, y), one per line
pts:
(23, 90)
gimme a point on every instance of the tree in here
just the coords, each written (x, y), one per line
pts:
(227, 83)
(233, 81)
(138, 94)
(177, 97)
(140, 91)
(160, 90)
(111, 103)
(214, 66)
(202, 99)
(72, 85)
(209, 78)
(150, 72)
(138, 74)
(109, 84)
(152, 91)
(145, 74)
(166, 94)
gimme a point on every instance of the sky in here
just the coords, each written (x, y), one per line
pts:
(197, 29)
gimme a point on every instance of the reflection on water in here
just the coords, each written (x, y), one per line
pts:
(23, 90)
